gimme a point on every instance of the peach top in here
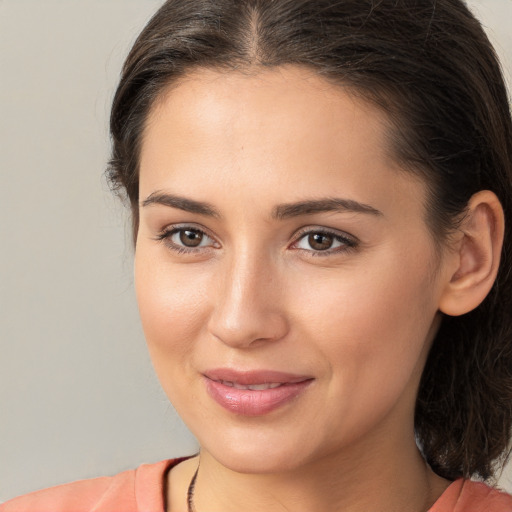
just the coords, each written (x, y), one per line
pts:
(143, 490)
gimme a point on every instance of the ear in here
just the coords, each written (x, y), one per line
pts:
(476, 256)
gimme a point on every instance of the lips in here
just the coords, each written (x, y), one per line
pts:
(254, 393)
(251, 387)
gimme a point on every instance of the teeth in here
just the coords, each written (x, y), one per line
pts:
(251, 387)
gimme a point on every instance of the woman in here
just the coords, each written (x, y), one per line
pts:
(321, 201)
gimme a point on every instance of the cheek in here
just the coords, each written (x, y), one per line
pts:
(171, 305)
(347, 303)
(372, 327)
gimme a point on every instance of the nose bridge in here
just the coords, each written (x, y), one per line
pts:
(247, 305)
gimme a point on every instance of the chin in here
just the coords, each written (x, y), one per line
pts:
(250, 462)
(257, 452)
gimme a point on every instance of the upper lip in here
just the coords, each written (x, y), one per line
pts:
(253, 377)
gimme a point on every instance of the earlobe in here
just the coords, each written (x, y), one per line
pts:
(476, 257)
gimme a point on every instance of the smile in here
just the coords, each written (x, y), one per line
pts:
(252, 387)
(253, 393)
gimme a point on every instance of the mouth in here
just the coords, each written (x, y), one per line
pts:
(251, 387)
(254, 393)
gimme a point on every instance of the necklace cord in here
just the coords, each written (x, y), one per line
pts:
(190, 492)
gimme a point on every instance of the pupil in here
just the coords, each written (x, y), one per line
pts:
(190, 238)
(320, 241)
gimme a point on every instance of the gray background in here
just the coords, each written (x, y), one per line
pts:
(78, 397)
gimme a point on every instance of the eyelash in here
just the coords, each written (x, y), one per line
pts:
(347, 242)
(165, 236)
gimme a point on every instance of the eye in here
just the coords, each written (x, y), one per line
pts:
(186, 239)
(189, 238)
(318, 241)
(324, 241)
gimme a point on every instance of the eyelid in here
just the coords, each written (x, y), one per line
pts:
(168, 231)
(349, 241)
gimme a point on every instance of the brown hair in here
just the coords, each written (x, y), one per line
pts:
(430, 66)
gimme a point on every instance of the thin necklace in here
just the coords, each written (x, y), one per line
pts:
(190, 492)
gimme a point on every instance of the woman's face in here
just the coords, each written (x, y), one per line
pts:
(287, 282)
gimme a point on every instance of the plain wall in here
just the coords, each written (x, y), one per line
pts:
(78, 397)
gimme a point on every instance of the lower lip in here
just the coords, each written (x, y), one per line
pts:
(249, 402)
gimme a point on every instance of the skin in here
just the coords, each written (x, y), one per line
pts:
(358, 318)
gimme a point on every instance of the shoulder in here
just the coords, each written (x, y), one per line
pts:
(129, 491)
(468, 496)
(83, 495)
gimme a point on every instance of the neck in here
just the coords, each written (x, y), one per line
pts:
(379, 481)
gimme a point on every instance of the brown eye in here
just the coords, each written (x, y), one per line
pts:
(187, 239)
(190, 238)
(320, 241)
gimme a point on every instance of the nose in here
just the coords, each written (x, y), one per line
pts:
(248, 306)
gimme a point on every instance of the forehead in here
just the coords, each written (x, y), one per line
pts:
(211, 98)
(287, 126)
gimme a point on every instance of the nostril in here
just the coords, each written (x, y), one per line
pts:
(250, 329)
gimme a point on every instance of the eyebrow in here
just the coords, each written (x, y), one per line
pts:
(279, 212)
(331, 204)
(181, 203)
